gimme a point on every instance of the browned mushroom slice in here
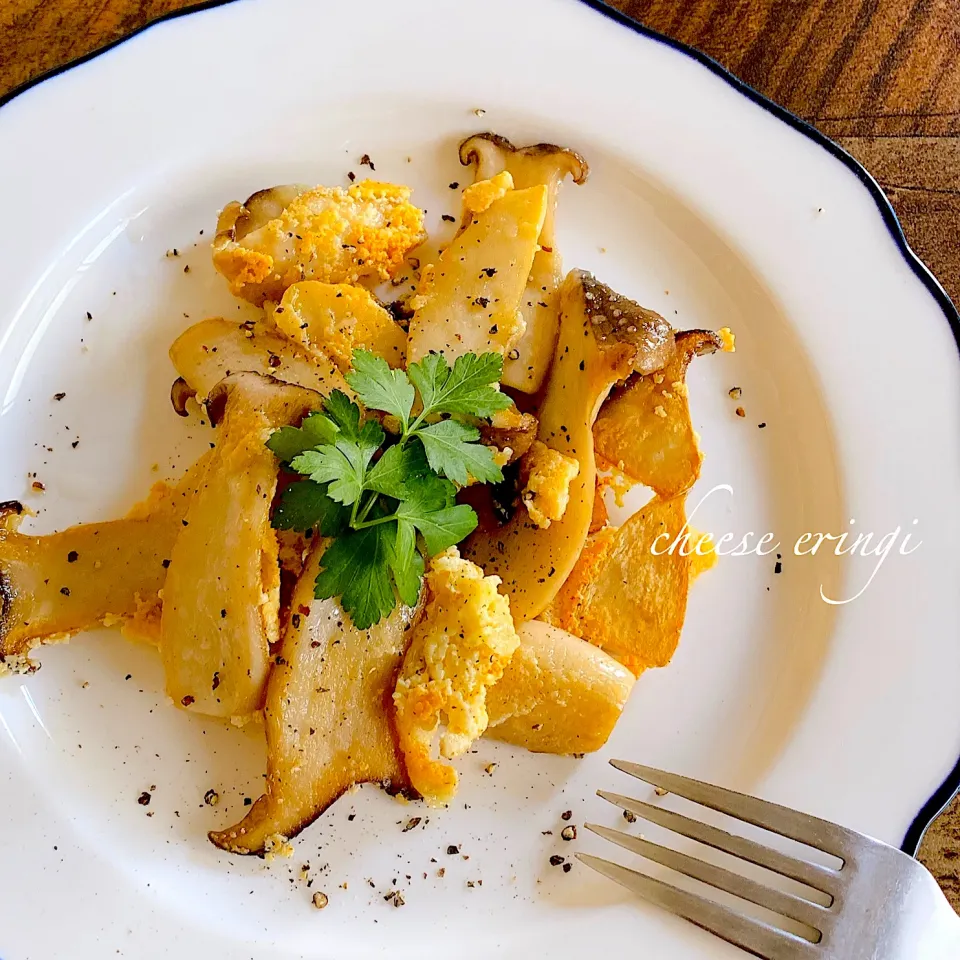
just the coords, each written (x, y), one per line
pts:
(328, 715)
(216, 348)
(54, 586)
(645, 429)
(236, 220)
(510, 431)
(628, 591)
(290, 233)
(469, 302)
(334, 319)
(547, 164)
(559, 694)
(590, 358)
(222, 592)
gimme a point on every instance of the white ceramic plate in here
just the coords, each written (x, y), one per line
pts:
(704, 204)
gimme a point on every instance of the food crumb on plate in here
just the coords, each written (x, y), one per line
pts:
(17, 664)
(320, 900)
(275, 846)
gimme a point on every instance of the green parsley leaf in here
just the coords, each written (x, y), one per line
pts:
(287, 443)
(344, 464)
(405, 562)
(440, 528)
(290, 442)
(380, 388)
(306, 506)
(359, 455)
(355, 569)
(434, 492)
(332, 465)
(452, 452)
(429, 376)
(386, 517)
(370, 440)
(466, 389)
(400, 468)
(344, 413)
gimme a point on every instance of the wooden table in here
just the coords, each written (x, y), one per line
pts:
(881, 77)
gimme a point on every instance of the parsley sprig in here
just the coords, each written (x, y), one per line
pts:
(374, 507)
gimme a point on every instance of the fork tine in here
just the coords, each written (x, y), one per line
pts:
(812, 831)
(752, 935)
(740, 886)
(812, 874)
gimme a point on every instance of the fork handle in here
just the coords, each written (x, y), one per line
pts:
(937, 926)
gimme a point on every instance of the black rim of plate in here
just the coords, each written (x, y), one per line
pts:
(947, 790)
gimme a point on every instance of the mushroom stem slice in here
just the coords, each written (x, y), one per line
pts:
(54, 586)
(592, 354)
(490, 153)
(221, 595)
(559, 694)
(334, 319)
(469, 302)
(213, 349)
(329, 715)
(541, 164)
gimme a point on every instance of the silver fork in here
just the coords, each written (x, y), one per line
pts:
(882, 904)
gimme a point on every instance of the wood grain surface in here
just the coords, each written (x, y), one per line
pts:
(881, 77)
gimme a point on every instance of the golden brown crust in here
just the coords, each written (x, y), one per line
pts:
(628, 591)
(645, 429)
(459, 648)
(286, 234)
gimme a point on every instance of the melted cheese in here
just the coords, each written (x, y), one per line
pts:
(460, 647)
